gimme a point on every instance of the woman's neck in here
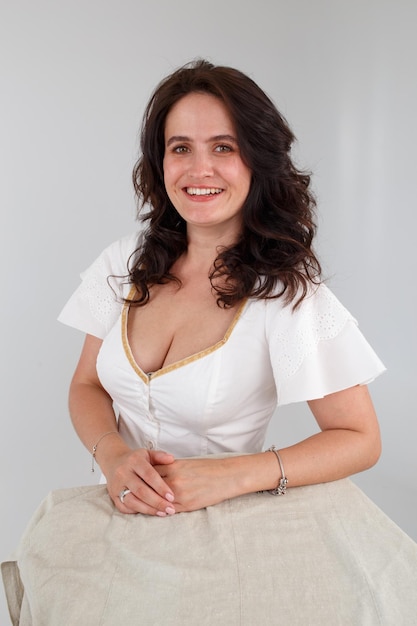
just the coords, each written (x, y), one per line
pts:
(204, 245)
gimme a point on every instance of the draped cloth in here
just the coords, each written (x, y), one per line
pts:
(322, 554)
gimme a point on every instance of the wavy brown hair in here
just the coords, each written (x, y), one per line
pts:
(274, 255)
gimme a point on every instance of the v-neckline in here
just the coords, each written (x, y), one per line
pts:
(147, 377)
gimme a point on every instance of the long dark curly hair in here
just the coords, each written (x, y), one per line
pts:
(274, 255)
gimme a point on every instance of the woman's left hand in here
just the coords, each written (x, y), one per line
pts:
(197, 483)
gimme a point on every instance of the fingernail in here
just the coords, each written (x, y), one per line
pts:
(169, 497)
(161, 513)
(170, 510)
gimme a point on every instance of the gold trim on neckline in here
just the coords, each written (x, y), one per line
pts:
(182, 362)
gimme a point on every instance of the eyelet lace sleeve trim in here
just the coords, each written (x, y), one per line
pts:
(297, 334)
(97, 292)
(97, 302)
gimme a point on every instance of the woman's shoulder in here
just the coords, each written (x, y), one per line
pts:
(97, 302)
(115, 257)
(318, 302)
(318, 316)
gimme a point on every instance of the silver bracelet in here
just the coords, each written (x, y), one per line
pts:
(94, 448)
(281, 488)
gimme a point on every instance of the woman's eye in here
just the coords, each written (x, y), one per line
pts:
(223, 148)
(180, 149)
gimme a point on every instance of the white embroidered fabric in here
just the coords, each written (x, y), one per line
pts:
(95, 305)
(100, 300)
(221, 399)
(314, 350)
(320, 317)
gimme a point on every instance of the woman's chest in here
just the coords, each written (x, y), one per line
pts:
(224, 382)
(175, 324)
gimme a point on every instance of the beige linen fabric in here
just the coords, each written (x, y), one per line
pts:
(321, 555)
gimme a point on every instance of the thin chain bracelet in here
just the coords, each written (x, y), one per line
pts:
(94, 448)
(281, 488)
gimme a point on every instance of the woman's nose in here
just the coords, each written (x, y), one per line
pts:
(200, 165)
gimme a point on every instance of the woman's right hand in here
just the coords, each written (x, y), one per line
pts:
(148, 492)
(92, 414)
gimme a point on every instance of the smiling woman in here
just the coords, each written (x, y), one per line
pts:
(196, 330)
(204, 174)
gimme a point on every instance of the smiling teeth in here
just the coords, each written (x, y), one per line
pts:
(197, 191)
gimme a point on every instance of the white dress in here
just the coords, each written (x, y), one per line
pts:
(220, 399)
(322, 555)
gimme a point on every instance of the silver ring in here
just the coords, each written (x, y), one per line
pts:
(123, 493)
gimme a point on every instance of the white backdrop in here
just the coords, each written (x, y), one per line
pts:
(75, 76)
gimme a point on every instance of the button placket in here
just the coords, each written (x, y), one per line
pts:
(152, 427)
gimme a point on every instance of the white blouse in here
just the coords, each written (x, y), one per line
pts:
(222, 398)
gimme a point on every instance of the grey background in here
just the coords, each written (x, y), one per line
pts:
(75, 77)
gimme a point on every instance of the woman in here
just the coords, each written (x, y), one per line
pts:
(196, 331)
(229, 210)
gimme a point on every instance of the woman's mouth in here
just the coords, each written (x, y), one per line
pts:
(203, 191)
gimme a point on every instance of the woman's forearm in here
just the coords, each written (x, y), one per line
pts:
(323, 457)
(349, 442)
(200, 482)
(92, 415)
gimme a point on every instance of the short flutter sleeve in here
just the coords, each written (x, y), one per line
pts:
(317, 349)
(96, 304)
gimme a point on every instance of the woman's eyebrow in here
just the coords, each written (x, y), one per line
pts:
(179, 138)
(176, 138)
(224, 138)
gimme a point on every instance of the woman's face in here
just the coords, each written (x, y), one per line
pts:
(205, 176)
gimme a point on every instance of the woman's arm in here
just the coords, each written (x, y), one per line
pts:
(92, 414)
(349, 442)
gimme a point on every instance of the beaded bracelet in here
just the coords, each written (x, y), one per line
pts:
(281, 488)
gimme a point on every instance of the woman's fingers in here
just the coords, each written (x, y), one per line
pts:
(198, 483)
(131, 504)
(159, 457)
(144, 469)
(143, 499)
(136, 487)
